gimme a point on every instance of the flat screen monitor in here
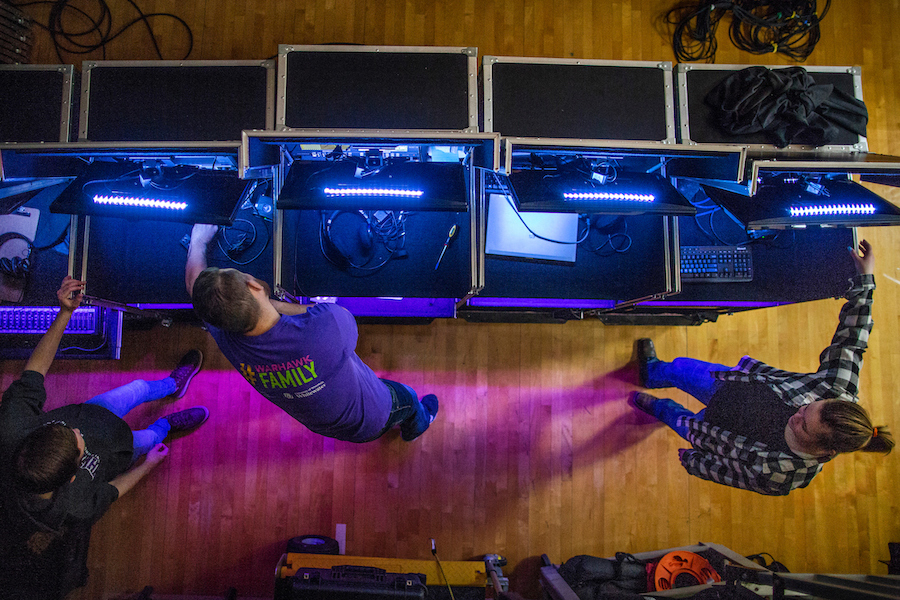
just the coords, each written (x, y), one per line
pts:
(544, 236)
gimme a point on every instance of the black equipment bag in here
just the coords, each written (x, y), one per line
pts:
(593, 578)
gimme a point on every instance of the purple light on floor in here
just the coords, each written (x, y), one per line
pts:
(712, 304)
(400, 307)
(539, 303)
(169, 306)
(366, 307)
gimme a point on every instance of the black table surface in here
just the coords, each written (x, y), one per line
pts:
(307, 271)
(598, 272)
(793, 265)
(142, 262)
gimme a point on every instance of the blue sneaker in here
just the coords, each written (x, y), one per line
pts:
(430, 402)
(416, 425)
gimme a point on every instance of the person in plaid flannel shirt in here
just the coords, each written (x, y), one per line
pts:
(764, 429)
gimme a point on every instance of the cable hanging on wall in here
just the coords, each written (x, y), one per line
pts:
(80, 30)
(786, 27)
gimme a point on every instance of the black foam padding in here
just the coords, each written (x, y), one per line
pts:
(31, 105)
(187, 103)
(579, 101)
(377, 90)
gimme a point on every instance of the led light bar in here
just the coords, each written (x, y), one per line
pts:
(609, 196)
(394, 193)
(140, 202)
(832, 209)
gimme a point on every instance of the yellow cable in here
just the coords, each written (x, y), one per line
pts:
(444, 575)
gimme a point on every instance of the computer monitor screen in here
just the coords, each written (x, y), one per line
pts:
(545, 236)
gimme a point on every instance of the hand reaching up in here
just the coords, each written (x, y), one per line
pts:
(864, 259)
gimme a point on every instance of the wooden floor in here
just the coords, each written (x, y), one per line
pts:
(534, 450)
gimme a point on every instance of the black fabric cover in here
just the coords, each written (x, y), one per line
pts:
(593, 578)
(786, 104)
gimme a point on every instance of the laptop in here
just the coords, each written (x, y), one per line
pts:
(508, 236)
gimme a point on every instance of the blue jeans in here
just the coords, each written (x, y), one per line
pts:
(121, 400)
(688, 375)
(406, 411)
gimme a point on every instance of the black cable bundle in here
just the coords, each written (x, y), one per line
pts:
(75, 31)
(694, 35)
(789, 27)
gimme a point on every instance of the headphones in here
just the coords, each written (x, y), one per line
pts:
(607, 224)
(347, 238)
(15, 261)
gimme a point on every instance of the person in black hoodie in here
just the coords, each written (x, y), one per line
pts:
(61, 470)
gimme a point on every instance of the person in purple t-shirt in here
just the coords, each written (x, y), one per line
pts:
(300, 357)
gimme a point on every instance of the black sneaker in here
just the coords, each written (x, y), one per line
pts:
(188, 418)
(187, 367)
(646, 354)
(430, 402)
(644, 402)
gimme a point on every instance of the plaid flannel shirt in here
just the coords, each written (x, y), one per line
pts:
(730, 459)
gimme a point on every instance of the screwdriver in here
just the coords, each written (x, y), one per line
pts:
(447, 243)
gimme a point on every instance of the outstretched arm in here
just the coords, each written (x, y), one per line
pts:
(129, 478)
(201, 236)
(841, 361)
(69, 295)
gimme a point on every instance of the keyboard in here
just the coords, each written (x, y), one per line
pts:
(716, 264)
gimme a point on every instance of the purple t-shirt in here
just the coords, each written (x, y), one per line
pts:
(307, 365)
